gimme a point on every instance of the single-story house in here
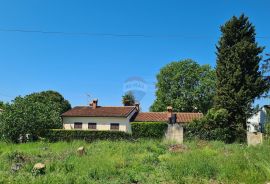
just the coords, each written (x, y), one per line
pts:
(257, 122)
(94, 117)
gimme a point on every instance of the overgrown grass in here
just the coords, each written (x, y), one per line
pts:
(143, 161)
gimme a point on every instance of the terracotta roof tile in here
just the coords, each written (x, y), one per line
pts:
(88, 111)
(182, 117)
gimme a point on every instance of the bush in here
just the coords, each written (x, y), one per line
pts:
(214, 126)
(267, 129)
(32, 115)
(87, 135)
(148, 129)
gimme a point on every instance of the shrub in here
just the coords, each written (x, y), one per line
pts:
(32, 115)
(148, 129)
(214, 126)
(267, 129)
(267, 123)
(87, 135)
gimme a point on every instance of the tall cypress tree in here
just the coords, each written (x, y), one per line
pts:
(239, 80)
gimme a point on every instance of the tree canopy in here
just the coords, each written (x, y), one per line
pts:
(239, 80)
(32, 114)
(128, 99)
(185, 85)
(2, 104)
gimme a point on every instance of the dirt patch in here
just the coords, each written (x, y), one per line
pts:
(178, 148)
(202, 144)
(18, 157)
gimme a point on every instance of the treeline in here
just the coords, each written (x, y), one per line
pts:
(226, 94)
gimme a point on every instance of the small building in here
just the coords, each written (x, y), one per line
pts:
(257, 122)
(94, 117)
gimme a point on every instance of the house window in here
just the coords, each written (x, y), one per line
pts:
(77, 125)
(114, 126)
(92, 126)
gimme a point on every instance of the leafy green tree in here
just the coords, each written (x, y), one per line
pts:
(186, 86)
(128, 99)
(239, 80)
(51, 97)
(32, 114)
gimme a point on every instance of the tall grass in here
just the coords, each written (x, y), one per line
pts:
(143, 161)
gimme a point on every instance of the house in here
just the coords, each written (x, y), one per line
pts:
(257, 122)
(94, 117)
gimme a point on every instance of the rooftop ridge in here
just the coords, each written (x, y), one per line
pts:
(103, 106)
(176, 112)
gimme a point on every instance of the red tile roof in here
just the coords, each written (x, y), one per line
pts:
(88, 111)
(182, 117)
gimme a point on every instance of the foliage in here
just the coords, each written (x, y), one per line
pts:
(32, 115)
(266, 72)
(128, 99)
(267, 129)
(186, 86)
(51, 97)
(267, 123)
(267, 115)
(213, 126)
(148, 129)
(87, 135)
(2, 104)
(239, 80)
(141, 161)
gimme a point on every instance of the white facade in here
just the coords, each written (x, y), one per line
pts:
(102, 123)
(257, 121)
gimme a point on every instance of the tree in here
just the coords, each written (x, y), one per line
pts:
(128, 99)
(239, 80)
(266, 73)
(51, 97)
(32, 114)
(186, 86)
(2, 105)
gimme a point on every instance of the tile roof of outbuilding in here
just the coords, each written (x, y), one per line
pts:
(181, 117)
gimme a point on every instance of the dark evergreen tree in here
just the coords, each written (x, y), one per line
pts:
(266, 73)
(239, 80)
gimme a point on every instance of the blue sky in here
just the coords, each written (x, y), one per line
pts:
(80, 64)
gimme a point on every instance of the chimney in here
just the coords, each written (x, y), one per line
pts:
(137, 105)
(94, 104)
(169, 113)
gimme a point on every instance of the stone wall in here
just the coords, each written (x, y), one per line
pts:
(175, 133)
(254, 138)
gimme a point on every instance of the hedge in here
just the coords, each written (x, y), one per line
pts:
(87, 135)
(267, 129)
(148, 129)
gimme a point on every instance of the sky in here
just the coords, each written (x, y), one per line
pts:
(88, 49)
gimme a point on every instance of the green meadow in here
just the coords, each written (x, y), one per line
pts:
(142, 161)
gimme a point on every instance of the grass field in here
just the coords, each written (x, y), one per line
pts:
(143, 161)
